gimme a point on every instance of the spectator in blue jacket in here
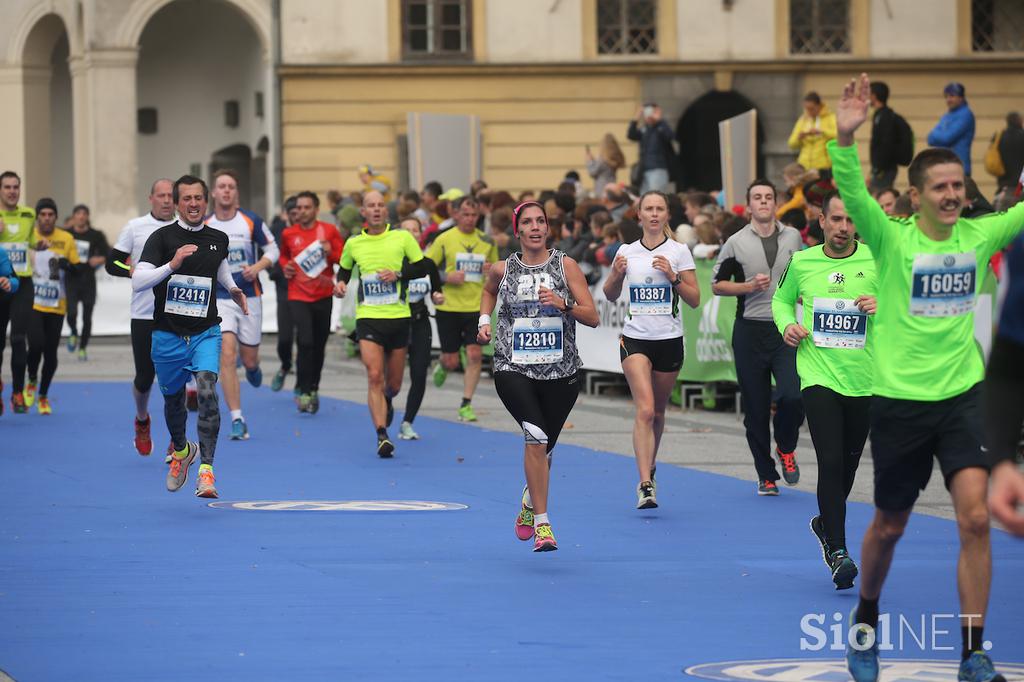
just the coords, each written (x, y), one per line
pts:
(8, 280)
(955, 130)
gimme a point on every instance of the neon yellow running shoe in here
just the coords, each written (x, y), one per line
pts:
(29, 393)
(466, 414)
(43, 405)
(545, 539)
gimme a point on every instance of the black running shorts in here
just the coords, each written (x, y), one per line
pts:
(907, 434)
(456, 330)
(665, 355)
(390, 334)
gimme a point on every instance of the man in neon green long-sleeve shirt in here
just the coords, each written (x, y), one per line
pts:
(927, 374)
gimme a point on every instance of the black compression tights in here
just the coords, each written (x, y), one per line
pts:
(176, 415)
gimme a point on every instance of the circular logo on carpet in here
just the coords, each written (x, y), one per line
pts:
(801, 670)
(339, 505)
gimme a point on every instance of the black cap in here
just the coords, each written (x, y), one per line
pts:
(46, 202)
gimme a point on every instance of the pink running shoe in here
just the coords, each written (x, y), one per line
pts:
(524, 524)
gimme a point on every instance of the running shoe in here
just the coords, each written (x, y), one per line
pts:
(790, 469)
(18, 403)
(143, 440)
(819, 532)
(205, 484)
(192, 399)
(177, 473)
(391, 412)
(43, 405)
(544, 541)
(440, 374)
(277, 383)
(239, 430)
(466, 414)
(524, 521)
(314, 402)
(72, 343)
(304, 401)
(767, 487)
(385, 448)
(843, 569)
(30, 393)
(254, 376)
(978, 668)
(405, 432)
(862, 660)
(645, 498)
(82, 355)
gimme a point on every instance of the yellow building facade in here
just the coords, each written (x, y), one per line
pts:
(544, 85)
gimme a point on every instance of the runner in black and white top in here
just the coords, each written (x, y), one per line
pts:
(543, 293)
(660, 273)
(123, 256)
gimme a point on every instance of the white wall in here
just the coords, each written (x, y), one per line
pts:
(534, 31)
(913, 28)
(334, 31)
(707, 32)
(188, 87)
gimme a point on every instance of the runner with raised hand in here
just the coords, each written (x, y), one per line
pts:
(928, 370)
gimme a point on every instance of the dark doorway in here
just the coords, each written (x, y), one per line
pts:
(697, 134)
(238, 158)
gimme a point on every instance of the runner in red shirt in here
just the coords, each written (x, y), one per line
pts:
(310, 250)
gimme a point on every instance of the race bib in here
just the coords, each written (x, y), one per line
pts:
(648, 298)
(188, 295)
(312, 260)
(237, 257)
(536, 340)
(17, 252)
(377, 292)
(47, 292)
(418, 289)
(83, 250)
(838, 323)
(943, 284)
(472, 264)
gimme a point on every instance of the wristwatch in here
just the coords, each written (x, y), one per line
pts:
(678, 280)
(569, 304)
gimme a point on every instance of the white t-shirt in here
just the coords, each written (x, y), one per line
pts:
(132, 240)
(654, 312)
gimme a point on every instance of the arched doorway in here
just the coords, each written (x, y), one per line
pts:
(238, 158)
(206, 102)
(49, 131)
(697, 133)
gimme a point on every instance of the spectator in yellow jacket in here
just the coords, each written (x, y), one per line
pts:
(812, 131)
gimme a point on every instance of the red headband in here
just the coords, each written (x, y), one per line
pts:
(518, 209)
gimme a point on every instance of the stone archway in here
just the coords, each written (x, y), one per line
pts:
(697, 133)
(206, 100)
(48, 138)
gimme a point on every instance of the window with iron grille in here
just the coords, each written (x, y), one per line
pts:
(436, 29)
(627, 27)
(997, 25)
(819, 27)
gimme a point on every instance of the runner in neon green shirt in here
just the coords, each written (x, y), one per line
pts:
(928, 370)
(836, 284)
(464, 257)
(16, 225)
(382, 313)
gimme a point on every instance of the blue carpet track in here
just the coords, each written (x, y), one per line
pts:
(106, 576)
